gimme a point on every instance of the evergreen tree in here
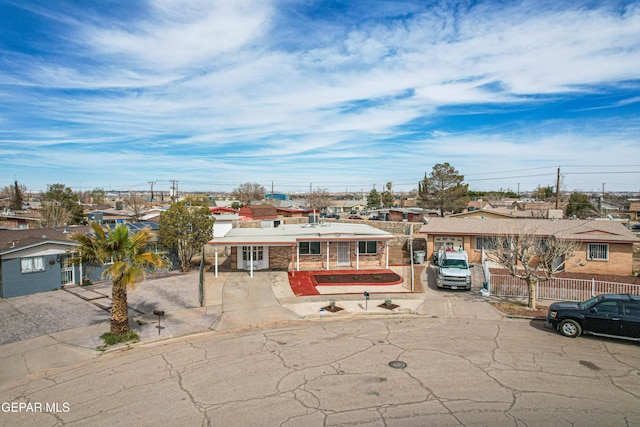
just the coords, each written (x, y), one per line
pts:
(185, 230)
(374, 199)
(443, 189)
(17, 197)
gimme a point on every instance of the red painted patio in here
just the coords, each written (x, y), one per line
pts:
(303, 283)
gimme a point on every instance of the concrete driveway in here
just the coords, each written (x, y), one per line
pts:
(45, 313)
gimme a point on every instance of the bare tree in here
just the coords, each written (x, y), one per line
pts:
(533, 257)
(138, 206)
(249, 191)
(54, 214)
(319, 199)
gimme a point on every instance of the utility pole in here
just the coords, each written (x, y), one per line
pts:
(151, 184)
(273, 201)
(518, 189)
(558, 188)
(174, 190)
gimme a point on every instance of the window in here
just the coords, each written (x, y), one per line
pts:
(366, 247)
(27, 265)
(488, 243)
(607, 307)
(309, 248)
(597, 252)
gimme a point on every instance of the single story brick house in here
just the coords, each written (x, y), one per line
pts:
(295, 247)
(605, 246)
(33, 260)
(258, 212)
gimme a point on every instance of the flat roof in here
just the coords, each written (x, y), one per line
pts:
(290, 234)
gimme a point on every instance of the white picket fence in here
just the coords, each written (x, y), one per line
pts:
(558, 288)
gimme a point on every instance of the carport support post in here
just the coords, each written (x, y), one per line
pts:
(251, 260)
(327, 255)
(386, 247)
(216, 263)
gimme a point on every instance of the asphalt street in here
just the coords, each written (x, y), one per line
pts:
(325, 372)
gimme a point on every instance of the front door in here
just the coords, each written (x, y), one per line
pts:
(256, 255)
(67, 274)
(344, 254)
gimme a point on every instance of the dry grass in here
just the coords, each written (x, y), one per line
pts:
(518, 309)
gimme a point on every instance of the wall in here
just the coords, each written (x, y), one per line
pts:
(15, 283)
(620, 262)
(280, 257)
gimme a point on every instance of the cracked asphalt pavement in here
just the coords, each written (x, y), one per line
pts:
(325, 372)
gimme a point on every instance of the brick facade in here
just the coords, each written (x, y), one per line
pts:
(282, 257)
(619, 263)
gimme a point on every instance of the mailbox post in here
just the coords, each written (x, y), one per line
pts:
(159, 313)
(366, 300)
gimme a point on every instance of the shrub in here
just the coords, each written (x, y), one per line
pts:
(110, 339)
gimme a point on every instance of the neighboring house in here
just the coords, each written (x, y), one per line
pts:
(32, 261)
(306, 246)
(220, 210)
(634, 210)
(276, 196)
(605, 247)
(294, 212)
(108, 215)
(223, 223)
(345, 206)
(410, 214)
(258, 212)
(489, 212)
(18, 220)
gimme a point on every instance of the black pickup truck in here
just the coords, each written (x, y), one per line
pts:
(608, 315)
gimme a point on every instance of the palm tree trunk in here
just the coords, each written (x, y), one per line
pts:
(119, 310)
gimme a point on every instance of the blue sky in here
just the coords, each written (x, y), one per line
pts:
(339, 95)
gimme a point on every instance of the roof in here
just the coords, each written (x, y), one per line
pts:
(259, 211)
(566, 229)
(137, 226)
(12, 240)
(289, 234)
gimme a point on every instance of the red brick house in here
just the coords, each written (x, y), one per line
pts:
(606, 247)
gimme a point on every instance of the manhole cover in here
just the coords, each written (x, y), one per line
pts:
(397, 364)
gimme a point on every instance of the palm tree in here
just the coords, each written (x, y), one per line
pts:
(127, 261)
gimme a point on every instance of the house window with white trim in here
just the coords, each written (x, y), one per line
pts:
(485, 242)
(597, 252)
(309, 248)
(368, 247)
(31, 264)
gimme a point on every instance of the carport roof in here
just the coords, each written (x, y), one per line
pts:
(289, 234)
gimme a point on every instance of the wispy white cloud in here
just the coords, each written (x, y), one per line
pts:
(195, 88)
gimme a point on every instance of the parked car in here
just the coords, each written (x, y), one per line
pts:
(334, 216)
(635, 228)
(607, 315)
(354, 217)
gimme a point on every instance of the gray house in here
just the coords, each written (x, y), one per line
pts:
(33, 260)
